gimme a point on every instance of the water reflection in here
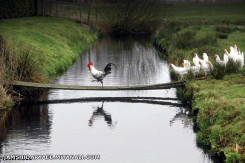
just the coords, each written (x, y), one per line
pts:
(147, 100)
(27, 128)
(142, 128)
(183, 117)
(100, 113)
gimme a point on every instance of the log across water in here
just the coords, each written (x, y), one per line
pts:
(105, 88)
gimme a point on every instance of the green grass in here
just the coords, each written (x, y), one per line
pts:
(220, 105)
(54, 42)
(216, 12)
(224, 12)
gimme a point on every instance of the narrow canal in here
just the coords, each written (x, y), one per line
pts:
(144, 131)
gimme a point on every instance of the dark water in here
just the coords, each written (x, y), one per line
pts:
(143, 130)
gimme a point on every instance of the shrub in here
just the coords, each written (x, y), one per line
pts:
(129, 16)
(232, 67)
(225, 29)
(5, 100)
(202, 141)
(167, 29)
(215, 135)
(184, 40)
(15, 67)
(173, 75)
(233, 157)
(7, 61)
(17, 8)
(243, 140)
(27, 68)
(18, 67)
(185, 95)
(208, 39)
(218, 72)
(222, 35)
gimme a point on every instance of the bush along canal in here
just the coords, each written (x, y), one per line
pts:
(217, 102)
(155, 127)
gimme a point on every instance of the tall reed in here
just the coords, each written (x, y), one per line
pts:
(21, 66)
(18, 66)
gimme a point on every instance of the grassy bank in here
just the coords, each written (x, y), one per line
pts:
(54, 42)
(217, 102)
(220, 109)
(37, 48)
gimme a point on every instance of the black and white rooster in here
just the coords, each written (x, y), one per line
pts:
(100, 75)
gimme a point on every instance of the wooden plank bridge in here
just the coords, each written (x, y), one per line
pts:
(98, 88)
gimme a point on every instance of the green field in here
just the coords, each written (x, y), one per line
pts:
(197, 12)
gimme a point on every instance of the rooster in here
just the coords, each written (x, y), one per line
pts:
(182, 71)
(240, 58)
(193, 69)
(236, 55)
(206, 66)
(196, 59)
(234, 50)
(100, 75)
(235, 46)
(231, 55)
(219, 62)
(205, 57)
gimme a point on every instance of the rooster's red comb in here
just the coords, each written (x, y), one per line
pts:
(90, 63)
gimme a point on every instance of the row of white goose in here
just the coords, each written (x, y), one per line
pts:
(235, 56)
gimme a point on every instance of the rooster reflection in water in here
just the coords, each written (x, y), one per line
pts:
(98, 113)
(182, 116)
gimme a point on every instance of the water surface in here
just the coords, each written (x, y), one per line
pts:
(143, 130)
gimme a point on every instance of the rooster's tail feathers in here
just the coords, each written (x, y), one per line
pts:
(107, 69)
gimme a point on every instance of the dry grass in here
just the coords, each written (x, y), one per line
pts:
(15, 67)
